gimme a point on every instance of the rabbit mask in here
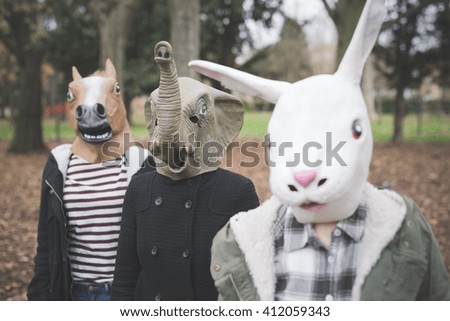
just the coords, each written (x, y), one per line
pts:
(320, 141)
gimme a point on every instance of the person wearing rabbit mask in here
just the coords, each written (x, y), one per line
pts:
(325, 234)
(170, 216)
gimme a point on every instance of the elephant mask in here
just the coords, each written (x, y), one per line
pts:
(190, 124)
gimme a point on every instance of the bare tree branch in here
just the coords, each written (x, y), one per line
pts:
(414, 11)
(331, 12)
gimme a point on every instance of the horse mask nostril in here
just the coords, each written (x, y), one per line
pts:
(79, 112)
(101, 110)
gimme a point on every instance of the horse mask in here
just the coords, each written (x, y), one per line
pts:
(322, 121)
(190, 124)
(97, 113)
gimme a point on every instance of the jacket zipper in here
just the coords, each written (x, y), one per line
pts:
(65, 228)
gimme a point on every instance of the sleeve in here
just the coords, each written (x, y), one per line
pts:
(248, 199)
(39, 287)
(438, 281)
(127, 267)
(436, 284)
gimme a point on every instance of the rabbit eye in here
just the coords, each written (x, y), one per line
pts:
(356, 129)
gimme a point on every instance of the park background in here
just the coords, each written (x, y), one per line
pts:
(406, 85)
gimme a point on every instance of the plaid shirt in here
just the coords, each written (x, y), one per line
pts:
(305, 269)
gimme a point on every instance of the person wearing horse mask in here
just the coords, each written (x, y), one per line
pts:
(83, 188)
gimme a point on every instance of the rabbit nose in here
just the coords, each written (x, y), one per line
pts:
(305, 178)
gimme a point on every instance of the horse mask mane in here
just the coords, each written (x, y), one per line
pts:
(320, 139)
(97, 114)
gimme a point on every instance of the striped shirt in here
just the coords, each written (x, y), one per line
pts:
(305, 269)
(93, 197)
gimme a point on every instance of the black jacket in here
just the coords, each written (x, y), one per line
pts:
(52, 276)
(167, 230)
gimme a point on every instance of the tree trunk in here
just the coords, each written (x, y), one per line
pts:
(28, 126)
(114, 24)
(345, 16)
(185, 34)
(347, 13)
(399, 113)
(368, 90)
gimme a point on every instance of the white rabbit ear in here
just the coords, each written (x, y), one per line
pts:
(243, 82)
(363, 41)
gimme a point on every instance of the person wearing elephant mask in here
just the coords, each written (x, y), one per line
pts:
(171, 215)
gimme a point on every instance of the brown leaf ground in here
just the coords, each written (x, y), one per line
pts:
(420, 171)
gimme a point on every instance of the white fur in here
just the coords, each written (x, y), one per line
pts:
(254, 234)
(94, 90)
(386, 211)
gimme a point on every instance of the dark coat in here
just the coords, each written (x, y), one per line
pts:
(167, 231)
(52, 276)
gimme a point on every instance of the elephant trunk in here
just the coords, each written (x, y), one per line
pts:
(168, 105)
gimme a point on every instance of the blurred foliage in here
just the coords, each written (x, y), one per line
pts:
(73, 39)
(286, 60)
(151, 24)
(224, 30)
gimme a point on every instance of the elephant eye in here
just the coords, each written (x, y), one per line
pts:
(201, 115)
(193, 119)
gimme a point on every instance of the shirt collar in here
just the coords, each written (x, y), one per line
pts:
(353, 226)
(297, 235)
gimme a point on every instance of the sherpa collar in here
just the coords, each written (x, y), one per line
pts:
(254, 231)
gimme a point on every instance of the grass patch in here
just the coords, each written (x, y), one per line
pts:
(435, 128)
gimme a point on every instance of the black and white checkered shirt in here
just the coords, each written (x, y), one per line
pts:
(305, 269)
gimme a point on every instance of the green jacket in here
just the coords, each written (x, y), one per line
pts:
(399, 260)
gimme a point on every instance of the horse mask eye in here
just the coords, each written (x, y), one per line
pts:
(69, 96)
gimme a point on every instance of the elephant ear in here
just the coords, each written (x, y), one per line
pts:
(149, 112)
(228, 116)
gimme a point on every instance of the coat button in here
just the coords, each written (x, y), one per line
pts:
(158, 201)
(216, 267)
(51, 191)
(158, 297)
(188, 204)
(154, 251)
(186, 254)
